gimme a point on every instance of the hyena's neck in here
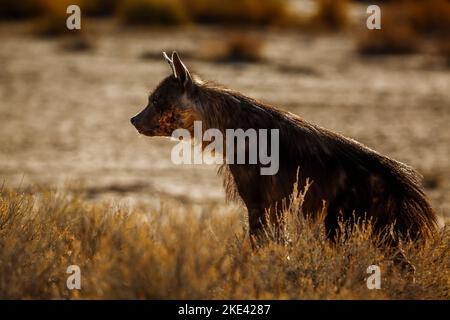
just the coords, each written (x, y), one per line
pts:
(226, 109)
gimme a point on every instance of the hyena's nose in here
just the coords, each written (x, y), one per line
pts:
(133, 121)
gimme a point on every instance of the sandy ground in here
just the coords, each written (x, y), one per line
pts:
(64, 115)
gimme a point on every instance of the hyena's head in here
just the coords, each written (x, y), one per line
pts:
(170, 106)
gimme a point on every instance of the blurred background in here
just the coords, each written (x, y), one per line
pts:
(66, 96)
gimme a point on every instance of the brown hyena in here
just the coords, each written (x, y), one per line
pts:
(352, 179)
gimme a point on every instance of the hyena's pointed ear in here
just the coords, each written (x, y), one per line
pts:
(181, 72)
(169, 61)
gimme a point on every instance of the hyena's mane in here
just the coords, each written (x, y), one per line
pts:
(310, 147)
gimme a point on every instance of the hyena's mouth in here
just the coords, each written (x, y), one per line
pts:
(152, 132)
(147, 132)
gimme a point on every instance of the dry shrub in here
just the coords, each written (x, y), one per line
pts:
(99, 7)
(14, 9)
(399, 39)
(239, 12)
(428, 16)
(244, 47)
(54, 17)
(181, 252)
(396, 35)
(331, 14)
(21, 9)
(444, 50)
(152, 12)
(162, 12)
(77, 43)
(406, 23)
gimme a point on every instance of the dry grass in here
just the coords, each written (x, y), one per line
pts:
(180, 252)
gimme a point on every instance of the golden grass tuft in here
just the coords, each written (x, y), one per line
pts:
(182, 252)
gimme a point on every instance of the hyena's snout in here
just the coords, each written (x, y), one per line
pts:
(140, 123)
(145, 122)
(137, 123)
(133, 121)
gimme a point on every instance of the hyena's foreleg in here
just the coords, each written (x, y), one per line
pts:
(247, 183)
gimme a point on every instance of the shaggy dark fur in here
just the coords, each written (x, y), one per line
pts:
(350, 177)
(346, 174)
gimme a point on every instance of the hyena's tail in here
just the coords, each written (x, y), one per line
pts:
(414, 216)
